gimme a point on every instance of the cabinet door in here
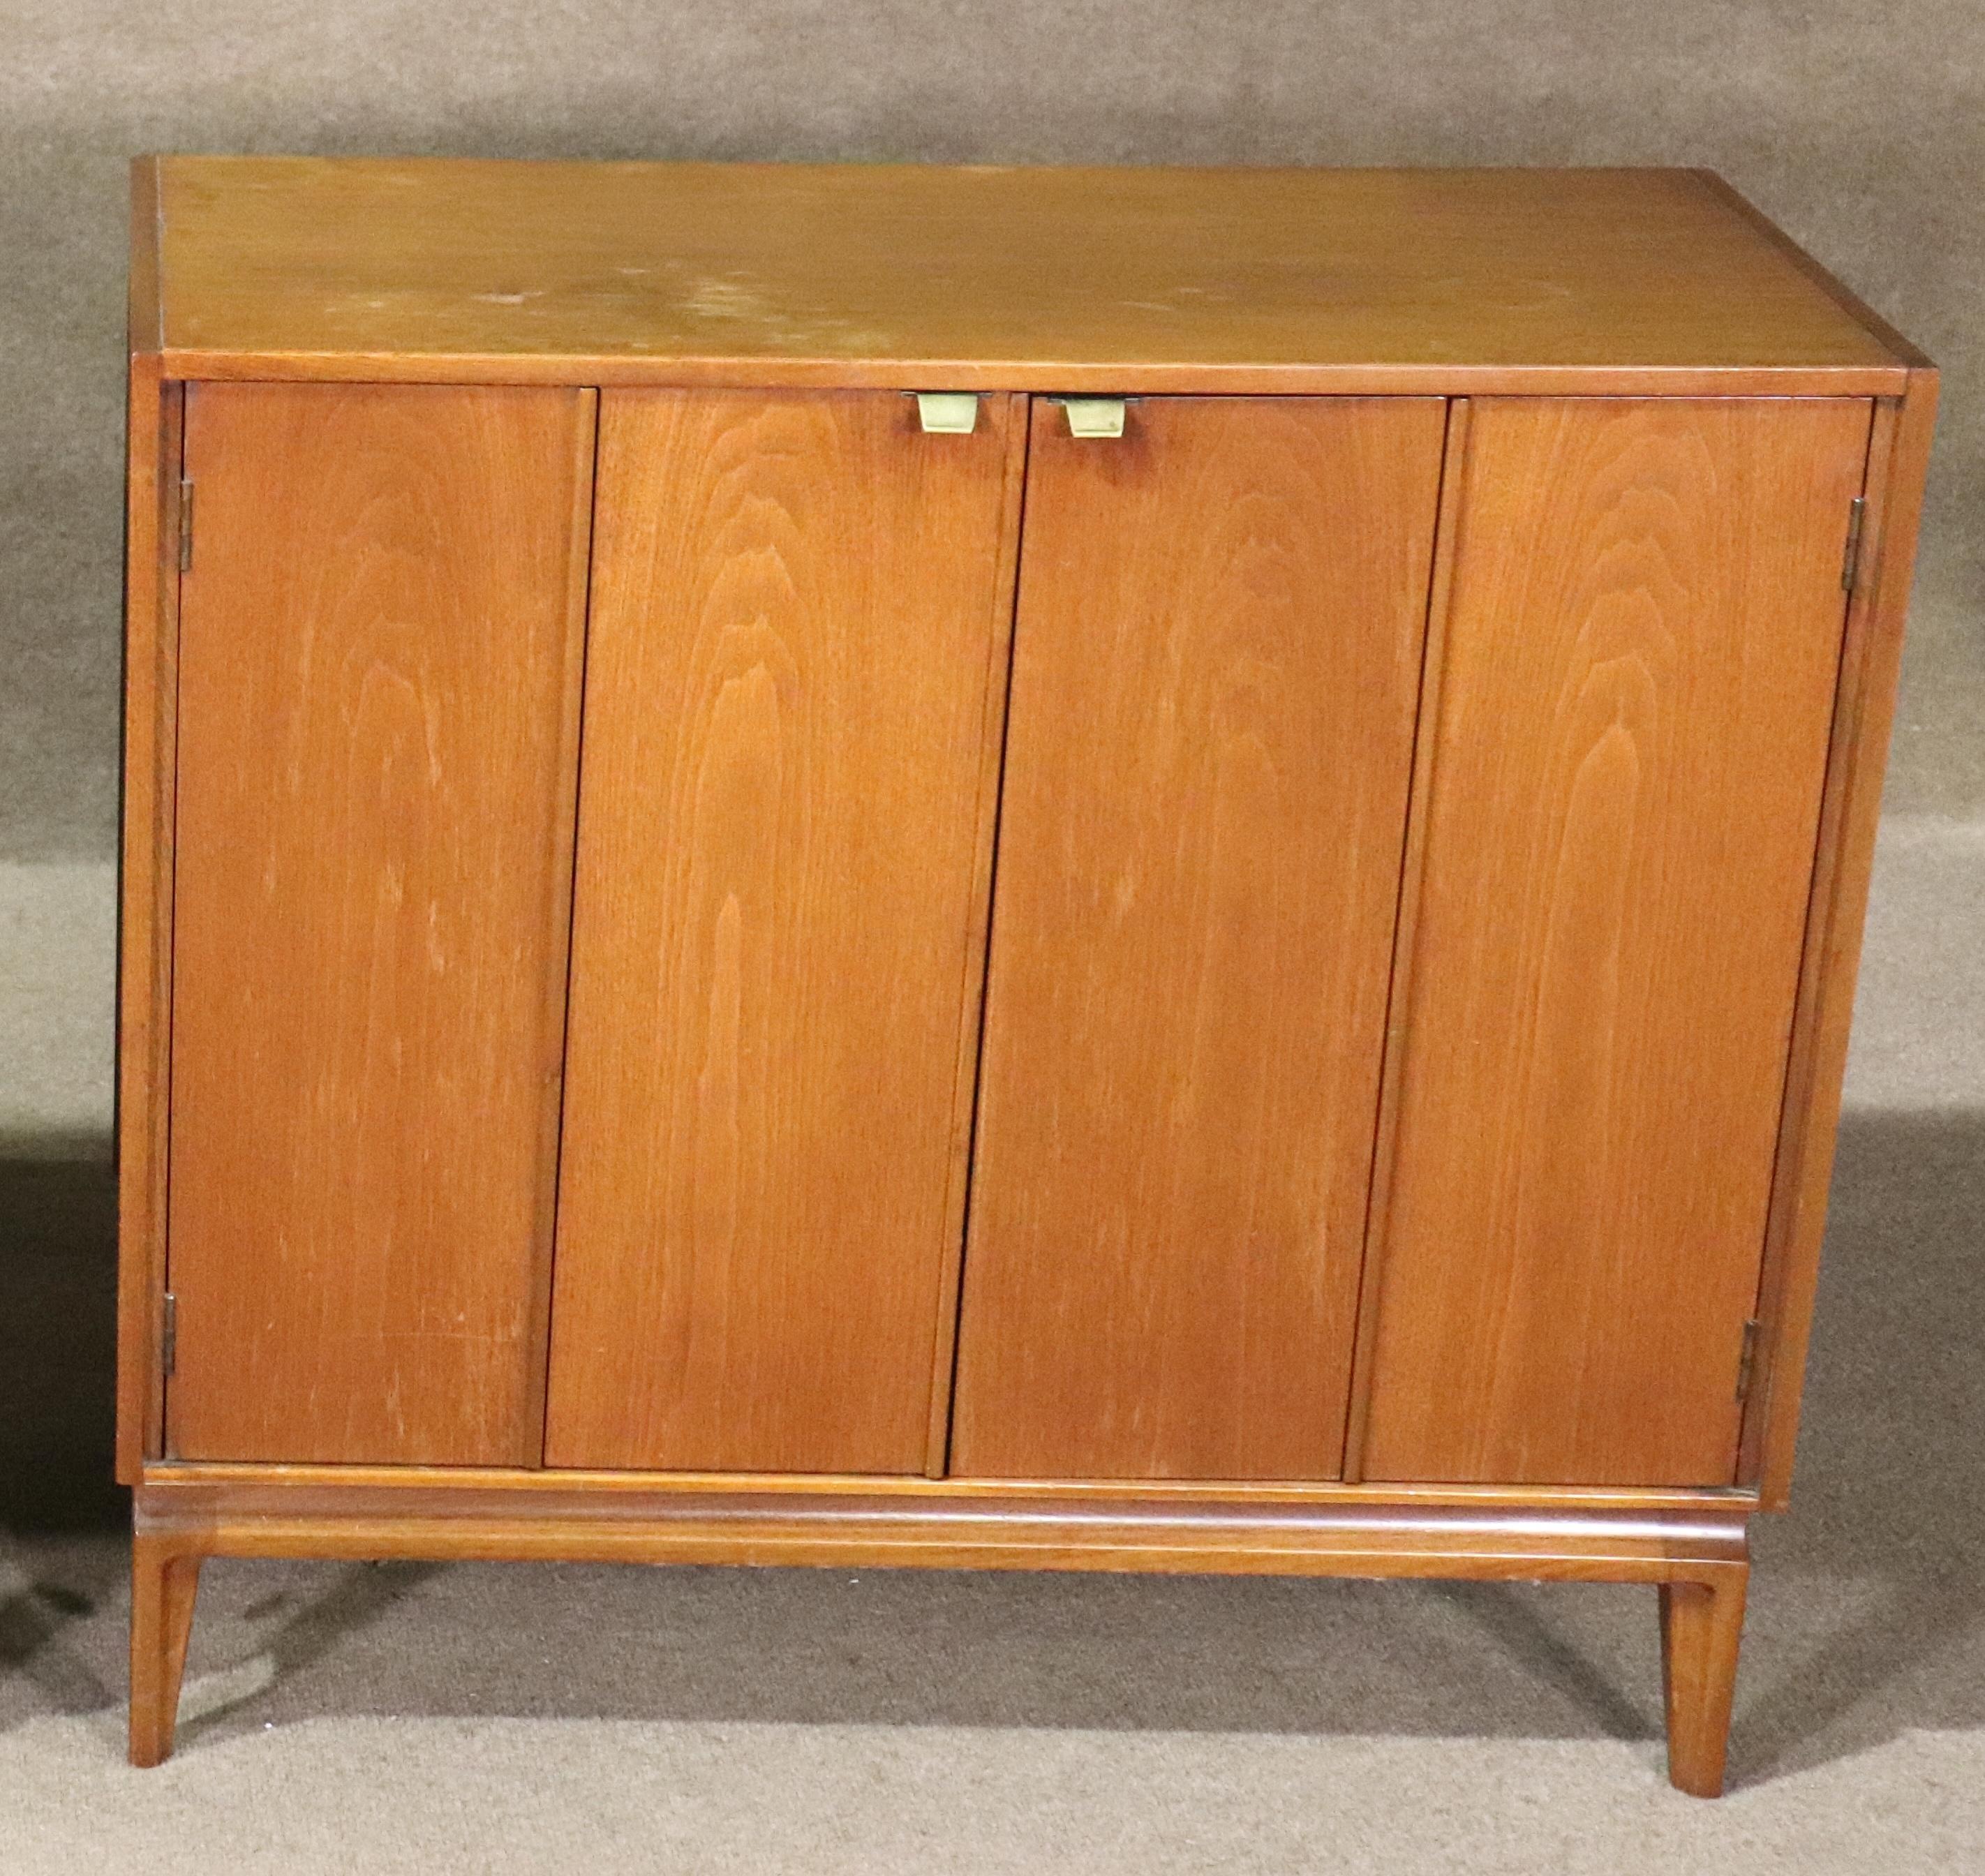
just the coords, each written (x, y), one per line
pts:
(380, 631)
(1216, 666)
(1626, 772)
(794, 686)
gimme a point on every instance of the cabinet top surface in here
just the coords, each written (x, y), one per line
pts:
(1551, 279)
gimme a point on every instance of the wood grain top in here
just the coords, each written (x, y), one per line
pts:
(1030, 279)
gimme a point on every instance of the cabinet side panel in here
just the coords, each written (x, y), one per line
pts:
(145, 902)
(378, 648)
(791, 677)
(1864, 713)
(1642, 654)
(1216, 670)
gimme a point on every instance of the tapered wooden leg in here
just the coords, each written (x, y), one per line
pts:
(1701, 1624)
(164, 1583)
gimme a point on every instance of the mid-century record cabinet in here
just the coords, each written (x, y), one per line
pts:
(1132, 870)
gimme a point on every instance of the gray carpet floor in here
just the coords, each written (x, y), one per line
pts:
(531, 1718)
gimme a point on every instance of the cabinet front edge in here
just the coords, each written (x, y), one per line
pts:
(1180, 377)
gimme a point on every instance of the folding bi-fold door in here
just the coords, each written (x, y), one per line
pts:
(1623, 775)
(754, 1130)
(794, 680)
(382, 621)
(1216, 666)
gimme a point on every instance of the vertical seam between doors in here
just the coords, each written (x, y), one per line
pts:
(571, 891)
(938, 1460)
(1443, 555)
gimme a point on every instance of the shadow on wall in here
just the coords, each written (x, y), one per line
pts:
(1865, 1616)
(57, 1343)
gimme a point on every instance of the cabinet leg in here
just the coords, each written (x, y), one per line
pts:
(1701, 1624)
(164, 1583)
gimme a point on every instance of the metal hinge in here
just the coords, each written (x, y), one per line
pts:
(186, 524)
(1850, 564)
(168, 1336)
(1748, 1360)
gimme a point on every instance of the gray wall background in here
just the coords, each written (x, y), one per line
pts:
(1861, 129)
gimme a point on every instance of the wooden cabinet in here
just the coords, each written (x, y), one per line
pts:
(1127, 870)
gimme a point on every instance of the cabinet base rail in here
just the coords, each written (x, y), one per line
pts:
(1698, 1557)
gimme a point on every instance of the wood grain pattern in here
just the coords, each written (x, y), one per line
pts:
(1645, 635)
(793, 676)
(1114, 280)
(1216, 666)
(1871, 665)
(145, 902)
(381, 632)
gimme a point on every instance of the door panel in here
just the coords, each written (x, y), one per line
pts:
(799, 616)
(380, 631)
(1640, 656)
(1216, 667)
